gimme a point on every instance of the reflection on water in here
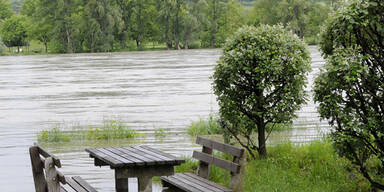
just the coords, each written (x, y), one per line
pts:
(147, 90)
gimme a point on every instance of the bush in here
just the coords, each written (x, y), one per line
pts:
(350, 91)
(259, 82)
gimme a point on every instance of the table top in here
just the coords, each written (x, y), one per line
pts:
(134, 156)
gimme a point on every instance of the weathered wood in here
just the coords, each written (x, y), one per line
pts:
(46, 154)
(136, 161)
(145, 183)
(51, 176)
(203, 169)
(76, 186)
(208, 182)
(121, 184)
(209, 159)
(177, 159)
(37, 170)
(84, 184)
(156, 170)
(225, 148)
(237, 180)
(193, 183)
(50, 181)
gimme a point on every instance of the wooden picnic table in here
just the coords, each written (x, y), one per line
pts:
(142, 162)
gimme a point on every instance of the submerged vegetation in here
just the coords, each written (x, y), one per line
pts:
(208, 126)
(291, 168)
(110, 129)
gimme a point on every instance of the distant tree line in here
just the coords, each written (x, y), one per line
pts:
(68, 26)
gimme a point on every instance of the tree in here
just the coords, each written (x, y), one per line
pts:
(5, 10)
(38, 28)
(350, 91)
(14, 31)
(259, 82)
(2, 47)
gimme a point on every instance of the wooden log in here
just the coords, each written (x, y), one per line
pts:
(53, 184)
(37, 170)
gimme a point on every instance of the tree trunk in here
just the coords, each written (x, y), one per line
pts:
(261, 137)
(214, 25)
(46, 47)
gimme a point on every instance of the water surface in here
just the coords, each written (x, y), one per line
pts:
(147, 90)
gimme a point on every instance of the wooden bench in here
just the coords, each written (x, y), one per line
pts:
(200, 182)
(48, 179)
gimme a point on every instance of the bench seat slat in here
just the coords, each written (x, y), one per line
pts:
(211, 183)
(201, 183)
(233, 167)
(192, 183)
(74, 185)
(180, 184)
(84, 184)
(225, 148)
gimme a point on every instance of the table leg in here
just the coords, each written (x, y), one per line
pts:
(145, 183)
(121, 185)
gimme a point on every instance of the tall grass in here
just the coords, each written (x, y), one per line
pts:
(207, 126)
(110, 129)
(291, 168)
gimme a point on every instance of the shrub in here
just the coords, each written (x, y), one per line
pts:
(259, 82)
(350, 91)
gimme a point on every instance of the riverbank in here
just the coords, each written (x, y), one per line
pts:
(311, 167)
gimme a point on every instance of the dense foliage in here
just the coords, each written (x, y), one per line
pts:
(66, 26)
(14, 31)
(259, 81)
(5, 10)
(351, 89)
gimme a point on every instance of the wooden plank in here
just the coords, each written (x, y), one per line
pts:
(84, 184)
(62, 189)
(177, 159)
(180, 184)
(37, 170)
(137, 161)
(116, 155)
(165, 160)
(75, 185)
(197, 183)
(235, 151)
(148, 161)
(46, 154)
(233, 167)
(53, 184)
(61, 177)
(146, 155)
(102, 156)
(204, 168)
(191, 175)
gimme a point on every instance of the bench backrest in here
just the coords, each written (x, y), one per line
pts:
(236, 166)
(41, 161)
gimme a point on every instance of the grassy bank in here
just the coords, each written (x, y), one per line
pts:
(312, 167)
(110, 129)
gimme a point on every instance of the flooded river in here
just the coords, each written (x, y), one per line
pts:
(147, 90)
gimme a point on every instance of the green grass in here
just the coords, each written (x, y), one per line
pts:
(160, 132)
(110, 129)
(209, 126)
(290, 168)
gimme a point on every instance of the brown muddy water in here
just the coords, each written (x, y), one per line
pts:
(147, 90)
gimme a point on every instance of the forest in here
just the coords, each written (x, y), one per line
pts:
(72, 26)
